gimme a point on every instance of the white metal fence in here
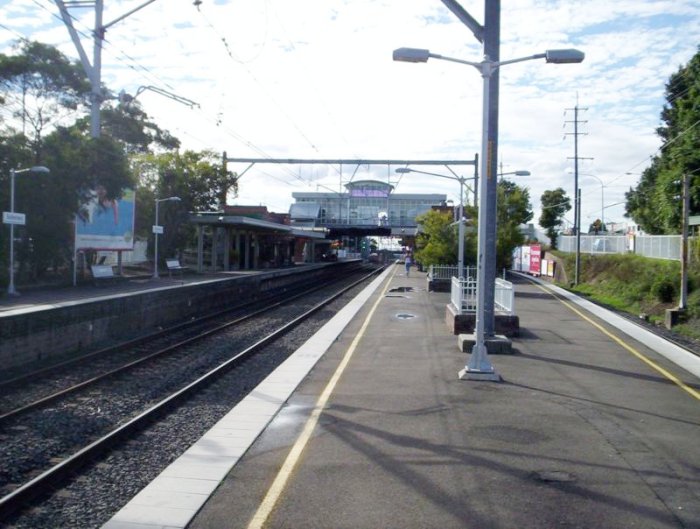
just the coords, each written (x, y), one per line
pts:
(595, 243)
(659, 246)
(463, 296)
(653, 246)
(447, 272)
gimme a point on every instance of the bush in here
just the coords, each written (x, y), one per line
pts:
(663, 289)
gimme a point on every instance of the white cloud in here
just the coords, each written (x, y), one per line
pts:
(315, 79)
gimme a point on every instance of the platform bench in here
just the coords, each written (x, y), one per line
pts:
(175, 266)
(102, 273)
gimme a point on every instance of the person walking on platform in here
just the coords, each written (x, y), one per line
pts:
(408, 264)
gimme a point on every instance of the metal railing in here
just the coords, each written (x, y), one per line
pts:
(463, 296)
(652, 246)
(504, 297)
(595, 244)
(447, 272)
(659, 246)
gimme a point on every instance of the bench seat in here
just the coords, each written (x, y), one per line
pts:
(101, 273)
(175, 266)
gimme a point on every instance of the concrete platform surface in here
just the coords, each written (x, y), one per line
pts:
(586, 430)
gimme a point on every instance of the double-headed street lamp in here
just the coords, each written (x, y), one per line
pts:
(158, 230)
(479, 366)
(461, 180)
(13, 218)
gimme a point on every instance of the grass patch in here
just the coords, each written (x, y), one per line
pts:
(637, 285)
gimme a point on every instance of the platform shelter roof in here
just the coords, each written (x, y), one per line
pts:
(253, 224)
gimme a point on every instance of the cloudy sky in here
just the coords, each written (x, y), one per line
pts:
(315, 79)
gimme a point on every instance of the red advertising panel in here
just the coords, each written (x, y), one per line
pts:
(535, 259)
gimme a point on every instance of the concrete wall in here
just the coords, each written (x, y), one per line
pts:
(72, 329)
(465, 323)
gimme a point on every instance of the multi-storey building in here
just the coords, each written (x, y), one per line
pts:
(367, 206)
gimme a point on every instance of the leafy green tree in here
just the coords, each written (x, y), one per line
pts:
(555, 204)
(131, 126)
(596, 227)
(513, 210)
(655, 202)
(199, 179)
(78, 164)
(437, 241)
(50, 201)
(44, 86)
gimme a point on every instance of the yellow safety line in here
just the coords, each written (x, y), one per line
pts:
(280, 482)
(628, 347)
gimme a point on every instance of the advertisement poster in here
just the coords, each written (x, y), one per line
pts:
(525, 259)
(535, 259)
(108, 224)
(517, 260)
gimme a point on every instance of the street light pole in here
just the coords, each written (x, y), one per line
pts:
(479, 366)
(460, 232)
(159, 229)
(11, 287)
(11, 291)
(602, 195)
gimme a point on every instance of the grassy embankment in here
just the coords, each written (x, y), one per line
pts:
(637, 285)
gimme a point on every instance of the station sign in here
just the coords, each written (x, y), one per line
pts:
(11, 217)
(158, 230)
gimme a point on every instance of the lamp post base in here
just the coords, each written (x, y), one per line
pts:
(472, 374)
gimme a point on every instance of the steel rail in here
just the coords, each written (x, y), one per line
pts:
(138, 340)
(46, 482)
(130, 365)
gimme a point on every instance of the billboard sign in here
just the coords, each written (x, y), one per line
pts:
(535, 259)
(107, 224)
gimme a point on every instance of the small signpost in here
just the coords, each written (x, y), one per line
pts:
(18, 219)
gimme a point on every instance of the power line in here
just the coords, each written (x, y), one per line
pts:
(247, 70)
(137, 67)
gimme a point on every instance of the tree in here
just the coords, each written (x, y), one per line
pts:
(44, 86)
(555, 204)
(78, 165)
(131, 126)
(655, 203)
(596, 227)
(201, 181)
(513, 210)
(436, 243)
(50, 201)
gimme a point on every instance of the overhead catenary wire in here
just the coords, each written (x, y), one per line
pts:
(154, 77)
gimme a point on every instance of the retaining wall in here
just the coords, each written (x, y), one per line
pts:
(75, 328)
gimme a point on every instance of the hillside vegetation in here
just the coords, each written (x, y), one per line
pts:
(638, 285)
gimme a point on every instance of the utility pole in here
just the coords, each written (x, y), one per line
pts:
(92, 70)
(577, 199)
(683, 301)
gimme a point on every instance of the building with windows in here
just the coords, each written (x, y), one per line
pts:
(367, 207)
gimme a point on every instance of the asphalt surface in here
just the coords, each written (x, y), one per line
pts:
(587, 429)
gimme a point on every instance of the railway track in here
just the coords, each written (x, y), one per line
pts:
(40, 388)
(63, 433)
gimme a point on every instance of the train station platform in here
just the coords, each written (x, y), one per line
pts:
(368, 426)
(46, 326)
